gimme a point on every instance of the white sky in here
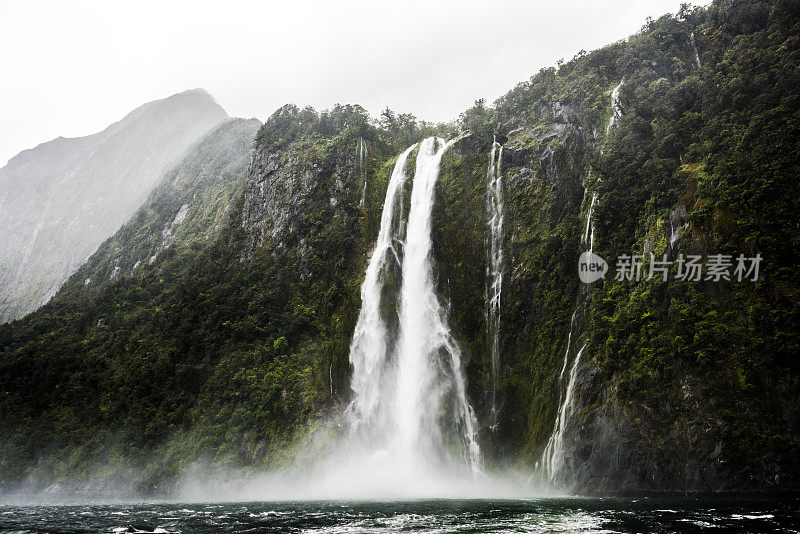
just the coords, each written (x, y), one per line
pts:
(73, 68)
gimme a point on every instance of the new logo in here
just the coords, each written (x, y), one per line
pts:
(591, 267)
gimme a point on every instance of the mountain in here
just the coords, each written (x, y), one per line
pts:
(234, 348)
(188, 208)
(60, 200)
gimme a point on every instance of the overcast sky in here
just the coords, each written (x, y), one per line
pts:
(72, 68)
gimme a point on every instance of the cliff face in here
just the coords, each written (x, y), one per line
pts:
(60, 200)
(225, 345)
(543, 163)
(281, 188)
(694, 385)
(677, 385)
(320, 167)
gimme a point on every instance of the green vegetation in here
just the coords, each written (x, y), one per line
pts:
(694, 377)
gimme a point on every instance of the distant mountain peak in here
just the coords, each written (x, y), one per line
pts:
(62, 198)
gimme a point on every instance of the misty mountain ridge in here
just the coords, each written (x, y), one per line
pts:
(61, 199)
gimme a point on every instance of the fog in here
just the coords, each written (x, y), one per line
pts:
(325, 467)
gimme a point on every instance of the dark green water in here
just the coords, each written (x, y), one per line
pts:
(535, 515)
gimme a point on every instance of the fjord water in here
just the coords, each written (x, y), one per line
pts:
(538, 515)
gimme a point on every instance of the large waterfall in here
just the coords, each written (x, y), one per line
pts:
(368, 349)
(494, 268)
(428, 359)
(410, 415)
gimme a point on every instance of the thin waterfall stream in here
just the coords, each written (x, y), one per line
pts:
(362, 154)
(695, 53)
(616, 107)
(552, 460)
(551, 463)
(494, 268)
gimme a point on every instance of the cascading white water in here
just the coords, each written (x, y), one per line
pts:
(694, 50)
(428, 359)
(616, 107)
(553, 457)
(494, 269)
(368, 349)
(410, 431)
(409, 405)
(362, 153)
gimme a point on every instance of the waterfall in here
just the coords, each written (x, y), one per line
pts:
(586, 237)
(409, 393)
(694, 50)
(368, 349)
(616, 107)
(674, 235)
(552, 459)
(494, 269)
(553, 456)
(362, 153)
(425, 340)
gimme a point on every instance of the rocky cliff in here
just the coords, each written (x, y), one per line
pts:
(687, 386)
